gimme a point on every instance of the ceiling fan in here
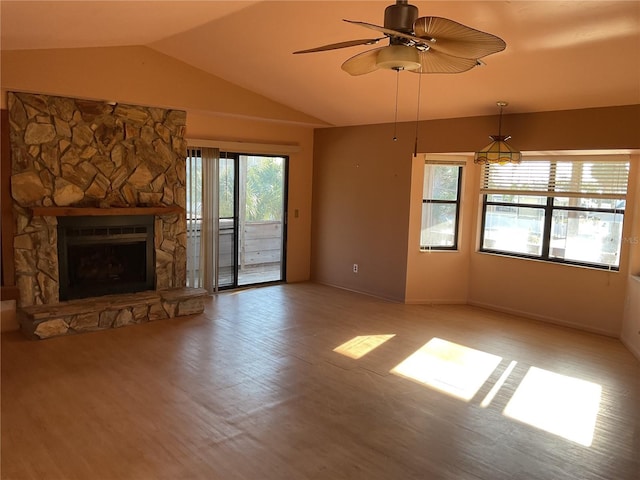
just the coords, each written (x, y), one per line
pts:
(418, 44)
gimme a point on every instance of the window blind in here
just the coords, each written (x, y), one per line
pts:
(592, 177)
(435, 159)
(202, 217)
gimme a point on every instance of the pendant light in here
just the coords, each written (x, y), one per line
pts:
(498, 151)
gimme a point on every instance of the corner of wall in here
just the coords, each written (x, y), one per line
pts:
(630, 331)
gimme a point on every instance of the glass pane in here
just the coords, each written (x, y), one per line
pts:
(226, 222)
(606, 203)
(226, 186)
(441, 182)
(194, 187)
(524, 199)
(194, 217)
(438, 225)
(261, 217)
(589, 237)
(264, 188)
(514, 229)
(226, 266)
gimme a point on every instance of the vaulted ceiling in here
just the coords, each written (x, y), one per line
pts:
(560, 54)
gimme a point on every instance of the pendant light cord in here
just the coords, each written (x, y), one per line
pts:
(415, 145)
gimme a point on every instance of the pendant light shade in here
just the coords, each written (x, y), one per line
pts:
(498, 151)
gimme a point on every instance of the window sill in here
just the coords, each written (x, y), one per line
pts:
(547, 262)
(439, 250)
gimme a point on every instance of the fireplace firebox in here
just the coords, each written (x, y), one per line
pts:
(105, 255)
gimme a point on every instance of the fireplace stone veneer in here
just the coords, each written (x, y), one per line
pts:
(77, 153)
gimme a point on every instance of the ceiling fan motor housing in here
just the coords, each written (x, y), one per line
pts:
(400, 16)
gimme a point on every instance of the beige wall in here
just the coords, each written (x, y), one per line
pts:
(372, 216)
(216, 110)
(631, 324)
(361, 209)
(137, 75)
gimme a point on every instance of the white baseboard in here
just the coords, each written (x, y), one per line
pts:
(362, 292)
(437, 301)
(543, 318)
(635, 351)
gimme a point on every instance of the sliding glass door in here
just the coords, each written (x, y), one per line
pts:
(261, 219)
(249, 229)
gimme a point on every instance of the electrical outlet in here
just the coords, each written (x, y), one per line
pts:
(355, 268)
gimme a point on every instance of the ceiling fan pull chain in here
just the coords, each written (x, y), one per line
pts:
(415, 145)
(395, 117)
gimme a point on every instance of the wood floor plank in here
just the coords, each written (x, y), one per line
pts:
(253, 389)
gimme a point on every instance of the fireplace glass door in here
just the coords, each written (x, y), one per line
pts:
(105, 255)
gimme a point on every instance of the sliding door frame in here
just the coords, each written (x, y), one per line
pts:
(234, 151)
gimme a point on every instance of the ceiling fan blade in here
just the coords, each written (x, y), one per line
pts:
(453, 38)
(432, 61)
(348, 43)
(393, 33)
(362, 63)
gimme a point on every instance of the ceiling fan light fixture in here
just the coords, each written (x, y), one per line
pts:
(398, 57)
(498, 151)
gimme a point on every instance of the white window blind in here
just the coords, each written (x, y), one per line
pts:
(593, 177)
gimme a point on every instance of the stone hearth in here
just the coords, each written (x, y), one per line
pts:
(109, 311)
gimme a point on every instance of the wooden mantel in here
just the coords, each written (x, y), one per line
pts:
(91, 211)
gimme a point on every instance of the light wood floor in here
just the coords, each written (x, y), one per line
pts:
(253, 389)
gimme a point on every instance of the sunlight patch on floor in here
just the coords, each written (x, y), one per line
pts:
(448, 367)
(359, 346)
(559, 404)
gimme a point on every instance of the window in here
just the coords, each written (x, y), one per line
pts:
(440, 206)
(558, 209)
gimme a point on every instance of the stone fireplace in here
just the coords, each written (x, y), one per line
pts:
(78, 159)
